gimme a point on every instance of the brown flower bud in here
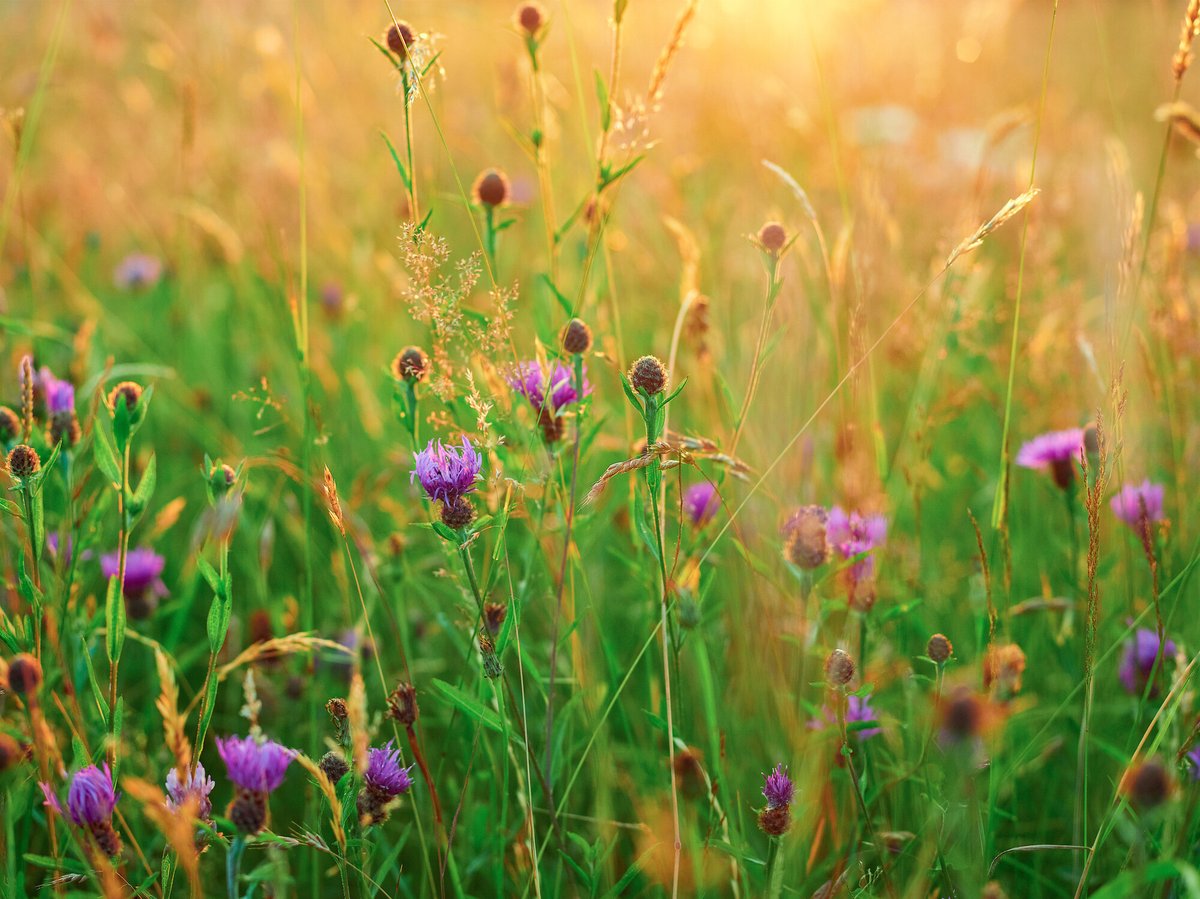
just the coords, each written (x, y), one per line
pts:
(648, 375)
(402, 704)
(806, 544)
(24, 674)
(839, 668)
(399, 38)
(939, 648)
(775, 820)
(530, 18)
(129, 391)
(411, 364)
(491, 188)
(10, 425)
(772, 237)
(23, 462)
(576, 337)
(1147, 784)
(458, 514)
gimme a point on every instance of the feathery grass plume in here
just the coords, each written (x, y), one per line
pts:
(167, 703)
(328, 787)
(27, 397)
(1007, 211)
(797, 191)
(662, 65)
(332, 504)
(1183, 118)
(173, 819)
(1188, 32)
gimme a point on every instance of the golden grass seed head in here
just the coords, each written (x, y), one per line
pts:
(10, 425)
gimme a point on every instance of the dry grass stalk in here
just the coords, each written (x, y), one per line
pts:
(1007, 211)
(1188, 32)
(663, 64)
(330, 792)
(332, 503)
(356, 712)
(1182, 117)
(177, 826)
(276, 646)
(174, 724)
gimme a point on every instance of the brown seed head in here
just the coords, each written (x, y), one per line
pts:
(402, 704)
(64, 428)
(24, 674)
(775, 820)
(10, 425)
(399, 38)
(130, 391)
(494, 614)
(337, 710)
(939, 648)
(689, 771)
(1147, 784)
(334, 765)
(576, 337)
(411, 364)
(491, 188)
(839, 668)
(23, 461)
(806, 544)
(963, 714)
(648, 375)
(773, 237)
(530, 18)
(458, 514)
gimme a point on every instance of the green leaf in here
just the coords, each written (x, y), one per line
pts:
(210, 574)
(114, 620)
(445, 531)
(674, 393)
(122, 425)
(643, 527)
(145, 488)
(605, 105)
(468, 705)
(399, 165)
(106, 455)
(97, 692)
(563, 300)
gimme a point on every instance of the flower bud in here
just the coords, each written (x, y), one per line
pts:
(491, 188)
(24, 674)
(648, 375)
(576, 337)
(839, 668)
(23, 462)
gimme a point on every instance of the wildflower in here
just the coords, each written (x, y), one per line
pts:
(91, 800)
(1193, 756)
(402, 704)
(194, 788)
(576, 337)
(772, 237)
(701, 503)
(411, 364)
(806, 539)
(939, 649)
(1138, 505)
(1147, 784)
(530, 18)
(257, 770)
(1139, 660)
(24, 674)
(1003, 667)
(143, 586)
(10, 426)
(333, 299)
(491, 189)
(547, 393)
(129, 391)
(778, 789)
(23, 462)
(852, 534)
(648, 375)
(839, 668)
(1057, 451)
(383, 781)
(962, 716)
(399, 38)
(858, 712)
(137, 271)
(447, 473)
(334, 766)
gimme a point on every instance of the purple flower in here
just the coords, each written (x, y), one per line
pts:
(1057, 451)
(852, 534)
(143, 570)
(137, 270)
(91, 797)
(858, 711)
(60, 396)
(1139, 504)
(447, 473)
(254, 766)
(1138, 660)
(529, 380)
(196, 787)
(1194, 757)
(700, 502)
(384, 774)
(778, 788)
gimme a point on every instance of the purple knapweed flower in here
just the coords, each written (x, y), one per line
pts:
(137, 270)
(143, 586)
(701, 503)
(853, 534)
(1140, 657)
(1057, 450)
(195, 787)
(91, 799)
(252, 765)
(530, 380)
(778, 787)
(1194, 757)
(383, 781)
(447, 473)
(1139, 504)
(858, 711)
(60, 396)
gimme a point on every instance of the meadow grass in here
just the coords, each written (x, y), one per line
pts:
(599, 449)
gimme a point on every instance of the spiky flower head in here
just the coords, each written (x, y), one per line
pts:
(1140, 657)
(254, 766)
(10, 425)
(576, 337)
(546, 390)
(701, 503)
(1056, 450)
(859, 714)
(447, 473)
(772, 237)
(1139, 504)
(806, 537)
(143, 579)
(23, 462)
(839, 668)
(91, 797)
(491, 188)
(853, 534)
(411, 364)
(384, 772)
(939, 648)
(128, 391)
(648, 375)
(399, 38)
(530, 18)
(193, 790)
(24, 674)
(778, 787)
